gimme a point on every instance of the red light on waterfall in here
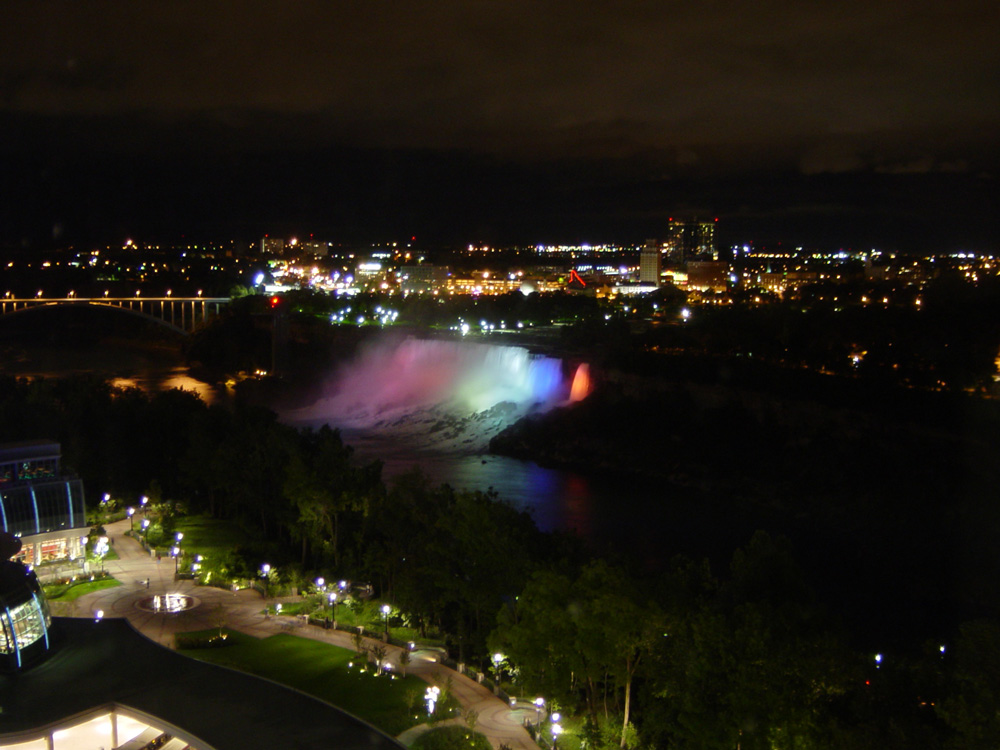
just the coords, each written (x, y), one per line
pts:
(581, 387)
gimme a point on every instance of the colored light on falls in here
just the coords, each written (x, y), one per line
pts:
(581, 386)
(409, 379)
(472, 377)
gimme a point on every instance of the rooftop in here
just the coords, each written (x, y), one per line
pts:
(108, 663)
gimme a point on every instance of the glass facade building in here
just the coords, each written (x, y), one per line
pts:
(40, 504)
(24, 617)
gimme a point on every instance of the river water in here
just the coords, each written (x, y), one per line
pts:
(652, 520)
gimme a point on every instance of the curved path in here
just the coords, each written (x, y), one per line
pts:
(242, 611)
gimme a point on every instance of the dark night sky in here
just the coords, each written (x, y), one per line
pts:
(870, 122)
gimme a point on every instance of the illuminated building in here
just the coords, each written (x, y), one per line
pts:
(39, 503)
(649, 264)
(24, 613)
(691, 239)
(422, 278)
(272, 246)
(317, 249)
(708, 275)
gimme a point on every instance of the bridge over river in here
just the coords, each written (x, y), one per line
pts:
(181, 314)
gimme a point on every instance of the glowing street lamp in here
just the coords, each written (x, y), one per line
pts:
(333, 608)
(498, 670)
(539, 703)
(131, 523)
(175, 552)
(265, 571)
(386, 609)
(556, 731)
(142, 501)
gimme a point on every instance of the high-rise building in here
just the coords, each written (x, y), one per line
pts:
(691, 239)
(650, 264)
(319, 249)
(272, 246)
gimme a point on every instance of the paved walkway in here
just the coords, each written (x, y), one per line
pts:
(243, 611)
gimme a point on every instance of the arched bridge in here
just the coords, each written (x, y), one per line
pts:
(182, 314)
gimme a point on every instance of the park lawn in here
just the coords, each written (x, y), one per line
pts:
(77, 590)
(322, 670)
(209, 537)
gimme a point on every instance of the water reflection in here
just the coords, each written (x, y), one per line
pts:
(156, 381)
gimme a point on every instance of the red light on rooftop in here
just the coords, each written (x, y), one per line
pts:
(275, 301)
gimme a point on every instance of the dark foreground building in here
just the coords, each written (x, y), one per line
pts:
(106, 671)
(90, 683)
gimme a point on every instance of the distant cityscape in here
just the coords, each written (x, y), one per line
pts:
(687, 258)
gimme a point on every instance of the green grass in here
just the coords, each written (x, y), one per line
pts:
(322, 671)
(208, 537)
(95, 560)
(64, 593)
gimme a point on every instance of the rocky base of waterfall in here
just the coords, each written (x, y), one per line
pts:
(445, 429)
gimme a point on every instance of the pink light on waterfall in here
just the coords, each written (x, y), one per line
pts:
(580, 388)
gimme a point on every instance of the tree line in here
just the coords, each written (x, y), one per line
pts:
(683, 657)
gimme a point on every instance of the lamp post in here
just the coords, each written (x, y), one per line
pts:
(556, 731)
(497, 670)
(333, 608)
(131, 523)
(265, 571)
(175, 552)
(142, 501)
(145, 531)
(386, 609)
(321, 589)
(539, 702)
(177, 559)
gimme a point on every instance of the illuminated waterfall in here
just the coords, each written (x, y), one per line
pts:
(445, 395)
(418, 373)
(580, 388)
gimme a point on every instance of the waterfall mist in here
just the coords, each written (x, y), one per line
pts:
(443, 395)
